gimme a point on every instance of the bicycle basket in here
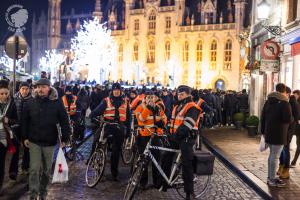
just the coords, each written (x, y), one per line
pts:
(203, 163)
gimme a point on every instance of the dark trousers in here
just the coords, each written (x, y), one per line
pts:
(142, 142)
(297, 153)
(285, 156)
(116, 138)
(14, 164)
(2, 163)
(229, 116)
(187, 155)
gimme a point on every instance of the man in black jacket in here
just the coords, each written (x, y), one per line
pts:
(275, 119)
(184, 116)
(41, 114)
(114, 109)
(20, 98)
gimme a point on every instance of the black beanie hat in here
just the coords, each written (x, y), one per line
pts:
(68, 88)
(23, 84)
(184, 88)
(116, 86)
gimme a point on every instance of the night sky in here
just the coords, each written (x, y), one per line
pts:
(36, 6)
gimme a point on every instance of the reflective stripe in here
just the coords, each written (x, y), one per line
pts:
(191, 120)
(188, 125)
(110, 108)
(110, 115)
(141, 118)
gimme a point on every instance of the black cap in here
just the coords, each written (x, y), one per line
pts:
(43, 81)
(148, 92)
(68, 88)
(116, 86)
(23, 84)
(184, 88)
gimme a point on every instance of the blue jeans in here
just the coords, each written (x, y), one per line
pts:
(275, 151)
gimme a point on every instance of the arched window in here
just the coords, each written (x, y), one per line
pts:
(213, 55)
(228, 55)
(152, 22)
(151, 52)
(120, 53)
(199, 51)
(135, 51)
(167, 50)
(185, 52)
(199, 57)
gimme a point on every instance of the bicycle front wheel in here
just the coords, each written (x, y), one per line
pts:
(134, 181)
(95, 168)
(127, 151)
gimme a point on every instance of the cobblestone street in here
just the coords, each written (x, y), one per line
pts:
(224, 185)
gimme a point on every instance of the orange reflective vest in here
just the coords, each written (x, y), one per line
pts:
(199, 103)
(109, 113)
(145, 119)
(179, 119)
(136, 101)
(73, 109)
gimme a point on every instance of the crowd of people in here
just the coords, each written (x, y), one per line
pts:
(29, 121)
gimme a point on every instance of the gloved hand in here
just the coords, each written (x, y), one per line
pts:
(160, 124)
(181, 133)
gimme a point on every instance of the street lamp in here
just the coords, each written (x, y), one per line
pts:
(263, 11)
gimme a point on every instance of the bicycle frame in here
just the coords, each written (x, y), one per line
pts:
(147, 152)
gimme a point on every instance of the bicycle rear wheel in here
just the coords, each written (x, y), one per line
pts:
(200, 185)
(134, 181)
(95, 168)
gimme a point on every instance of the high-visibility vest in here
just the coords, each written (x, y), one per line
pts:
(73, 109)
(109, 113)
(145, 118)
(137, 101)
(179, 119)
(199, 103)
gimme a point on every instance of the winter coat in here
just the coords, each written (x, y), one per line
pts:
(295, 113)
(168, 106)
(230, 102)
(40, 117)
(84, 100)
(243, 102)
(276, 118)
(19, 101)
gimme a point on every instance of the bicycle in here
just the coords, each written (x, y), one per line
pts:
(175, 180)
(128, 147)
(97, 161)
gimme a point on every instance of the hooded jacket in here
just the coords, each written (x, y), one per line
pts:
(276, 118)
(39, 119)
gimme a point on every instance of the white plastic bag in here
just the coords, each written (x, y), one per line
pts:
(61, 168)
(262, 145)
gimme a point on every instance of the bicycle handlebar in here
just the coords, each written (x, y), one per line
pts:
(152, 132)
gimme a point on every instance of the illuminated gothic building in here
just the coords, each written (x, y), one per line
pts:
(193, 42)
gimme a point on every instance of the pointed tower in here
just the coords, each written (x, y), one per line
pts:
(97, 13)
(69, 28)
(229, 12)
(239, 14)
(54, 23)
(77, 26)
(180, 9)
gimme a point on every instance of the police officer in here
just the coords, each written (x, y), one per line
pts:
(150, 115)
(114, 109)
(182, 127)
(72, 106)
